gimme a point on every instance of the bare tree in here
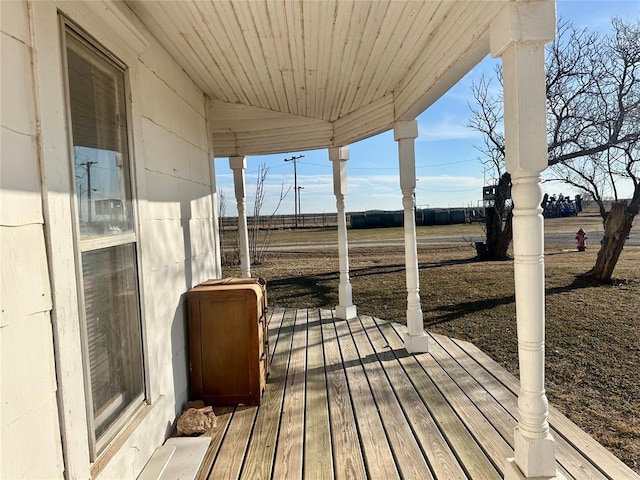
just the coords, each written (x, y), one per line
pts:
(222, 210)
(593, 105)
(487, 118)
(262, 227)
(229, 254)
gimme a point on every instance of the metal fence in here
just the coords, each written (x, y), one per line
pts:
(283, 222)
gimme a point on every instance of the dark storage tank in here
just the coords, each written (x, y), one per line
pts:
(358, 221)
(429, 217)
(458, 215)
(373, 219)
(442, 217)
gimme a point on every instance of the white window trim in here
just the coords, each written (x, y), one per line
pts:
(110, 241)
(113, 29)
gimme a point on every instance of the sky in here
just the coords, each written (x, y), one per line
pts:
(448, 166)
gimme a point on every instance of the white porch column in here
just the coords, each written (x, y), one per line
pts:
(238, 164)
(339, 156)
(405, 132)
(519, 35)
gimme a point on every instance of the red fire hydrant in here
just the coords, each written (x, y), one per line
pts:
(581, 238)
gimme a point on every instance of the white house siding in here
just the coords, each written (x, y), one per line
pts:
(171, 159)
(178, 237)
(28, 410)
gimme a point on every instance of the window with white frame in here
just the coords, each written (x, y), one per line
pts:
(105, 237)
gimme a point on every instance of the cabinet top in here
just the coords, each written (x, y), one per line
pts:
(238, 285)
(233, 281)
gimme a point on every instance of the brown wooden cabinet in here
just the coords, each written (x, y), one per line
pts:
(228, 341)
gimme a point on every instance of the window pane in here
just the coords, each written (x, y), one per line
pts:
(111, 305)
(100, 153)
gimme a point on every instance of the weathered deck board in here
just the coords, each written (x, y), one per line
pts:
(409, 458)
(347, 453)
(471, 456)
(275, 322)
(571, 463)
(234, 447)
(345, 400)
(289, 454)
(436, 450)
(483, 431)
(317, 445)
(260, 454)
(223, 417)
(598, 456)
(377, 453)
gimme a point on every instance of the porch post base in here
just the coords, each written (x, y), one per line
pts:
(416, 343)
(346, 313)
(512, 472)
(535, 457)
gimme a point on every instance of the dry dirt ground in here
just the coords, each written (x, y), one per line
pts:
(593, 331)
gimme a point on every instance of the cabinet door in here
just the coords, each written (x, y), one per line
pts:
(229, 348)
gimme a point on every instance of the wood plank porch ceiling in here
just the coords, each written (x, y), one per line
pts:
(345, 400)
(296, 74)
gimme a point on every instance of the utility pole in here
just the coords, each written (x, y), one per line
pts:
(295, 159)
(298, 188)
(88, 166)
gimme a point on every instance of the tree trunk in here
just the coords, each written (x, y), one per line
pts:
(616, 230)
(504, 240)
(498, 224)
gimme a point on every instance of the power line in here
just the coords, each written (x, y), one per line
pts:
(318, 164)
(418, 166)
(395, 168)
(448, 191)
(448, 163)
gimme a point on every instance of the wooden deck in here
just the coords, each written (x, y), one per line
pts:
(345, 400)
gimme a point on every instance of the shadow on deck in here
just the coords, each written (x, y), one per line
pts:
(345, 400)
